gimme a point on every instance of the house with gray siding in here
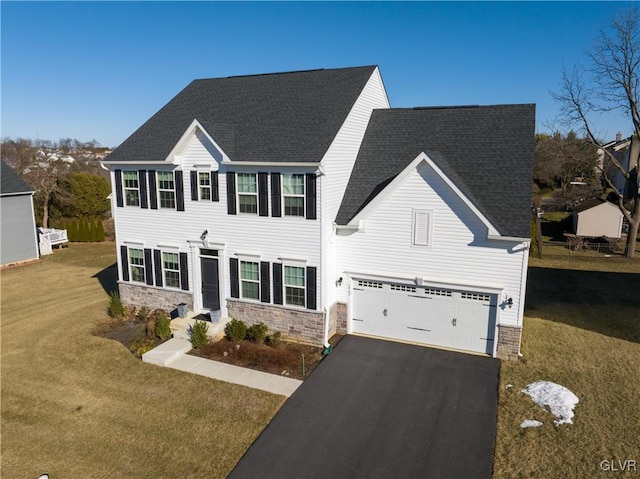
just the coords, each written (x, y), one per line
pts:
(18, 236)
(304, 201)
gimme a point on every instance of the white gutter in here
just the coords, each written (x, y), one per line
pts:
(279, 164)
(129, 163)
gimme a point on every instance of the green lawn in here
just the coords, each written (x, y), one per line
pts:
(76, 405)
(581, 330)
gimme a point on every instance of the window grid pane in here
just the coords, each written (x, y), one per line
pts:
(136, 260)
(293, 206)
(293, 192)
(171, 266)
(250, 279)
(294, 276)
(248, 203)
(166, 191)
(131, 191)
(293, 184)
(204, 181)
(247, 183)
(294, 296)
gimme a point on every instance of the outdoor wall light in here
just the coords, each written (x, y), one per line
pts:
(509, 302)
(339, 281)
(204, 234)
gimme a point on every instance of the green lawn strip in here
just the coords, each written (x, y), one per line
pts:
(75, 405)
(581, 330)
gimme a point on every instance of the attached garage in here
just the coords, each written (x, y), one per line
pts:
(451, 318)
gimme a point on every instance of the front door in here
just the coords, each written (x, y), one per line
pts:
(210, 284)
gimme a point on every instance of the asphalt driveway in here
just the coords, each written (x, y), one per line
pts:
(377, 408)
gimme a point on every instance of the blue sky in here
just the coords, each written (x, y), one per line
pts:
(91, 70)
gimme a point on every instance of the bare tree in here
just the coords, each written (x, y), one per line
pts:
(613, 69)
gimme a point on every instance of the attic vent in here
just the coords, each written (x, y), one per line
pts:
(422, 227)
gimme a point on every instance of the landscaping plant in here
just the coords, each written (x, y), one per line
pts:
(115, 309)
(163, 322)
(235, 330)
(198, 332)
(258, 332)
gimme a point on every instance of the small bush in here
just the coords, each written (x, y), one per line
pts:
(199, 336)
(163, 328)
(143, 314)
(235, 330)
(274, 339)
(141, 346)
(115, 309)
(258, 332)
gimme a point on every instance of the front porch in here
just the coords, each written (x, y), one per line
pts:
(180, 327)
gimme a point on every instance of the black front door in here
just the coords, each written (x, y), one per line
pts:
(210, 288)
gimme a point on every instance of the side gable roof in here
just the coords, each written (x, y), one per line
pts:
(486, 151)
(287, 117)
(592, 203)
(11, 183)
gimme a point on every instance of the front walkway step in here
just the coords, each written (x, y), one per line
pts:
(167, 352)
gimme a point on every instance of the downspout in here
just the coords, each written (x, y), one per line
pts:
(523, 290)
(323, 262)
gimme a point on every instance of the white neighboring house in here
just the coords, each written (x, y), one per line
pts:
(596, 218)
(302, 200)
(18, 241)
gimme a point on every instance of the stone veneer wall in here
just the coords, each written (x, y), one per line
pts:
(338, 319)
(508, 341)
(301, 325)
(153, 298)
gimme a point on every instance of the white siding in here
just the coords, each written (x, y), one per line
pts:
(18, 241)
(269, 237)
(459, 251)
(338, 163)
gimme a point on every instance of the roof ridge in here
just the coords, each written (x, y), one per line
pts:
(284, 72)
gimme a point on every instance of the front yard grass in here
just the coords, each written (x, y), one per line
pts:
(581, 330)
(76, 405)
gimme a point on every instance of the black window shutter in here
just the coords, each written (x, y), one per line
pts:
(153, 190)
(233, 276)
(184, 272)
(157, 260)
(179, 191)
(265, 284)
(119, 197)
(231, 194)
(148, 267)
(215, 193)
(124, 263)
(263, 195)
(310, 196)
(277, 283)
(311, 287)
(142, 182)
(194, 185)
(276, 210)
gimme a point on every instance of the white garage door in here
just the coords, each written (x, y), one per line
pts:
(449, 318)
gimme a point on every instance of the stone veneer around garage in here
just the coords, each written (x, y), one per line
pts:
(508, 342)
(338, 319)
(152, 297)
(299, 324)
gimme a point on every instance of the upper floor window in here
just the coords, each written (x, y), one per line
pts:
(166, 189)
(204, 185)
(131, 188)
(250, 279)
(293, 192)
(294, 285)
(136, 265)
(247, 193)
(171, 269)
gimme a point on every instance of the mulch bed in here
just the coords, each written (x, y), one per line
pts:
(286, 359)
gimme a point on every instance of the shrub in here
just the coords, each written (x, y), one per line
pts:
(198, 332)
(143, 314)
(274, 339)
(115, 309)
(235, 330)
(141, 346)
(99, 230)
(258, 332)
(163, 328)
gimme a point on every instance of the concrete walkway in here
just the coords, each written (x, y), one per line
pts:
(172, 354)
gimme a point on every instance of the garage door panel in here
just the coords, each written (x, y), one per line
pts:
(435, 316)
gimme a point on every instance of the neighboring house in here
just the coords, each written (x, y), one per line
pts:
(18, 239)
(596, 218)
(302, 200)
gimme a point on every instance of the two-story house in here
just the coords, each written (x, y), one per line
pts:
(302, 200)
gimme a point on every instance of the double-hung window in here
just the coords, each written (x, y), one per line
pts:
(247, 193)
(250, 279)
(136, 265)
(294, 285)
(293, 192)
(204, 185)
(171, 269)
(166, 189)
(131, 188)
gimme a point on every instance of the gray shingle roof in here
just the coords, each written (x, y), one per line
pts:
(486, 151)
(10, 182)
(288, 117)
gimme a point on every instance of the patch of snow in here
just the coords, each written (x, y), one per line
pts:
(508, 386)
(530, 423)
(560, 400)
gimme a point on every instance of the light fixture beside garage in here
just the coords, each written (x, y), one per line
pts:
(509, 302)
(339, 281)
